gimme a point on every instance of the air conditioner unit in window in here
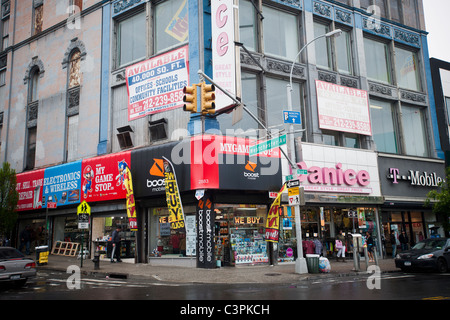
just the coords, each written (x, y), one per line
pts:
(158, 129)
(124, 137)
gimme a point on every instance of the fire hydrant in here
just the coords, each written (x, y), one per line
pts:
(96, 260)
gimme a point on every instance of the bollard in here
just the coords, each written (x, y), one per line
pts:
(96, 260)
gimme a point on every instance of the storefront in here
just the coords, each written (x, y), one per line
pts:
(342, 193)
(48, 200)
(224, 195)
(405, 183)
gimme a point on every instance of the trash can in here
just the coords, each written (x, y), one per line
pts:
(41, 255)
(312, 262)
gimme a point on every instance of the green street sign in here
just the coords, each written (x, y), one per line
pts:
(267, 145)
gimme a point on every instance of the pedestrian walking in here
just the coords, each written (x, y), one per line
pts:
(115, 239)
(404, 241)
(394, 243)
(25, 239)
(369, 241)
(340, 246)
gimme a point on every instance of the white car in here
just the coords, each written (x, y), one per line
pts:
(15, 267)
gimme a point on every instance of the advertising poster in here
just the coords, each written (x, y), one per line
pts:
(103, 177)
(62, 184)
(29, 186)
(273, 219)
(176, 213)
(156, 85)
(343, 109)
(131, 204)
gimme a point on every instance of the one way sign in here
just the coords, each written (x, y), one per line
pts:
(293, 183)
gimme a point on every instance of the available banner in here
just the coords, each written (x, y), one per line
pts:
(273, 219)
(103, 177)
(156, 85)
(343, 109)
(205, 232)
(176, 213)
(131, 205)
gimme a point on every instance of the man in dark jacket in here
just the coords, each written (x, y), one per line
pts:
(115, 239)
(404, 241)
(25, 240)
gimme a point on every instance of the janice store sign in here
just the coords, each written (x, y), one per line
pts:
(335, 179)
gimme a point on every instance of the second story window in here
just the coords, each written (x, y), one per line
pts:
(378, 60)
(280, 33)
(407, 69)
(131, 39)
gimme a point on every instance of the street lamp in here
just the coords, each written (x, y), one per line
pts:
(300, 263)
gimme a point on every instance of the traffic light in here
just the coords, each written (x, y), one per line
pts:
(208, 105)
(190, 98)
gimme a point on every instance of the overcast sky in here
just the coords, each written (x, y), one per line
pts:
(436, 20)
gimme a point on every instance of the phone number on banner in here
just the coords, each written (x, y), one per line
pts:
(156, 104)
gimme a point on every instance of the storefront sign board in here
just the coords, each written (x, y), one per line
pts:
(62, 184)
(224, 53)
(103, 177)
(156, 85)
(205, 232)
(29, 186)
(409, 177)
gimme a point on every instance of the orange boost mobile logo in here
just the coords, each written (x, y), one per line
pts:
(252, 175)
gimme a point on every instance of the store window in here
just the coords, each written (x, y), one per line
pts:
(102, 228)
(378, 62)
(166, 242)
(407, 69)
(171, 21)
(383, 132)
(240, 231)
(414, 129)
(281, 33)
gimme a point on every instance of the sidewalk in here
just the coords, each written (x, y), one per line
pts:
(281, 273)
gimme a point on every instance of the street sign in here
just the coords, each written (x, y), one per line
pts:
(83, 212)
(294, 196)
(267, 145)
(51, 205)
(292, 183)
(296, 174)
(293, 117)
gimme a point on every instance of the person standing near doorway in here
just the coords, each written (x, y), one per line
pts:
(404, 241)
(115, 239)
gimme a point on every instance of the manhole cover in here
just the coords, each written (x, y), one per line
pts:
(273, 274)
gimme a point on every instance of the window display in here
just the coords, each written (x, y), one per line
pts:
(102, 228)
(240, 234)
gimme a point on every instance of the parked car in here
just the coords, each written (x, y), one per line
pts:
(15, 267)
(431, 254)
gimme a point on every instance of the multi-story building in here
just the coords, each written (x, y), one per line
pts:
(107, 80)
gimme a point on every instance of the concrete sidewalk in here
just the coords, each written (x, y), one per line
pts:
(281, 273)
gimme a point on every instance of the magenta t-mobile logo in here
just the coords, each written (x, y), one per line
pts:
(394, 172)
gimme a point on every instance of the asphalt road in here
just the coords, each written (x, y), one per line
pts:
(389, 286)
